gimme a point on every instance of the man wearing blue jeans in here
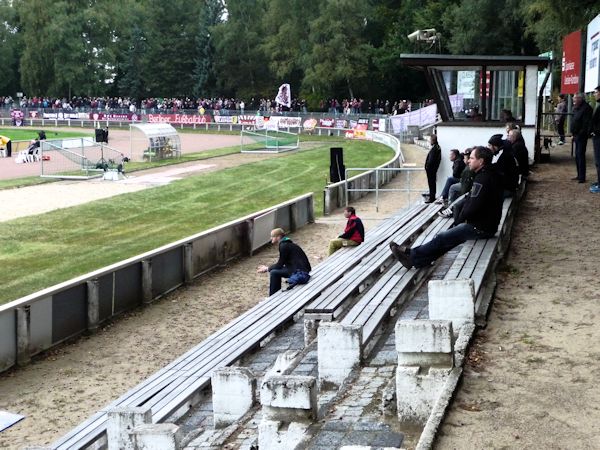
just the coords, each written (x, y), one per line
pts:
(595, 132)
(478, 219)
(291, 259)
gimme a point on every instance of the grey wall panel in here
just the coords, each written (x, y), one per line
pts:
(69, 312)
(282, 218)
(8, 340)
(128, 287)
(167, 271)
(41, 325)
(262, 229)
(105, 295)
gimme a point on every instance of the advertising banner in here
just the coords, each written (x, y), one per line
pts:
(421, 117)
(110, 116)
(571, 63)
(286, 122)
(248, 119)
(541, 75)
(179, 119)
(225, 119)
(341, 123)
(592, 55)
(326, 123)
(465, 83)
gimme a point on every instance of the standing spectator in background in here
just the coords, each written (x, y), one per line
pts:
(353, 234)
(559, 118)
(432, 164)
(595, 132)
(580, 129)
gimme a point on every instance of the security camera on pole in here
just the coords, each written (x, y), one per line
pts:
(426, 40)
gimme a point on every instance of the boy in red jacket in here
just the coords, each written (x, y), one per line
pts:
(353, 234)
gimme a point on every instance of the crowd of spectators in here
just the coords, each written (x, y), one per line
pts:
(218, 105)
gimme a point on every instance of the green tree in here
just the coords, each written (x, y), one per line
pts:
(132, 81)
(171, 32)
(204, 71)
(286, 38)
(242, 66)
(338, 58)
(9, 47)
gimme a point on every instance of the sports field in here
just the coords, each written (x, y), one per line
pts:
(43, 250)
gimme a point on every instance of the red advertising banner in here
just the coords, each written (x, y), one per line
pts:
(571, 63)
(179, 119)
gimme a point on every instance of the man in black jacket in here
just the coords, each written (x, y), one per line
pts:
(432, 164)
(478, 219)
(504, 163)
(595, 132)
(520, 151)
(291, 259)
(580, 129)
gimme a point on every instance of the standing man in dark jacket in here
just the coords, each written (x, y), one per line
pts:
(478, 219)
(580, 129)
(595, 132)
(353, 234)
(432, 164)
(291, 259)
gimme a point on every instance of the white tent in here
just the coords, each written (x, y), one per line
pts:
(153, 141)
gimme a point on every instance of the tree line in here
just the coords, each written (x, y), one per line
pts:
(247, 48)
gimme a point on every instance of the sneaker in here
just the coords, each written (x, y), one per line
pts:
(439, 201)
(575, 179)
(446, 213)
(595, 184)
(400, 253)
(561, 142)
(595, 189)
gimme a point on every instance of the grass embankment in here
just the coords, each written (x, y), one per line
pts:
(40, 251)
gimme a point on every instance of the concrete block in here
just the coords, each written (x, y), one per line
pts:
(424, 343)
(157, 436)
(274, 435)
(417, 392)
(310, 330)
(121, 421)
(233, 392)
(339, 351)
(289, 398)
(284, 363)
(452, 300)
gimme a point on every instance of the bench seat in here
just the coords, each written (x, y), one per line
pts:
(395, 287)
(333, 301)
(171, 390)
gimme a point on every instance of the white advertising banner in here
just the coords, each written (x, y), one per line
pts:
(541, 75)
(465, 83)
(592, 55)
(421, 117)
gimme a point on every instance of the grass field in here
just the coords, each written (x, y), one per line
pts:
(40, 251)
(28, 134)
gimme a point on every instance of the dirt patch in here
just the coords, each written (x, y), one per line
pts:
(531, 377)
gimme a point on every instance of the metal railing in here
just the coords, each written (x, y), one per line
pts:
(378, 189)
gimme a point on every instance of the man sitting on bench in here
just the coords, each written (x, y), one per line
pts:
(478, 219)
(353, 234)
(292, 259)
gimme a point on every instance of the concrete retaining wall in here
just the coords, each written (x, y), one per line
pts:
(48, 317)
